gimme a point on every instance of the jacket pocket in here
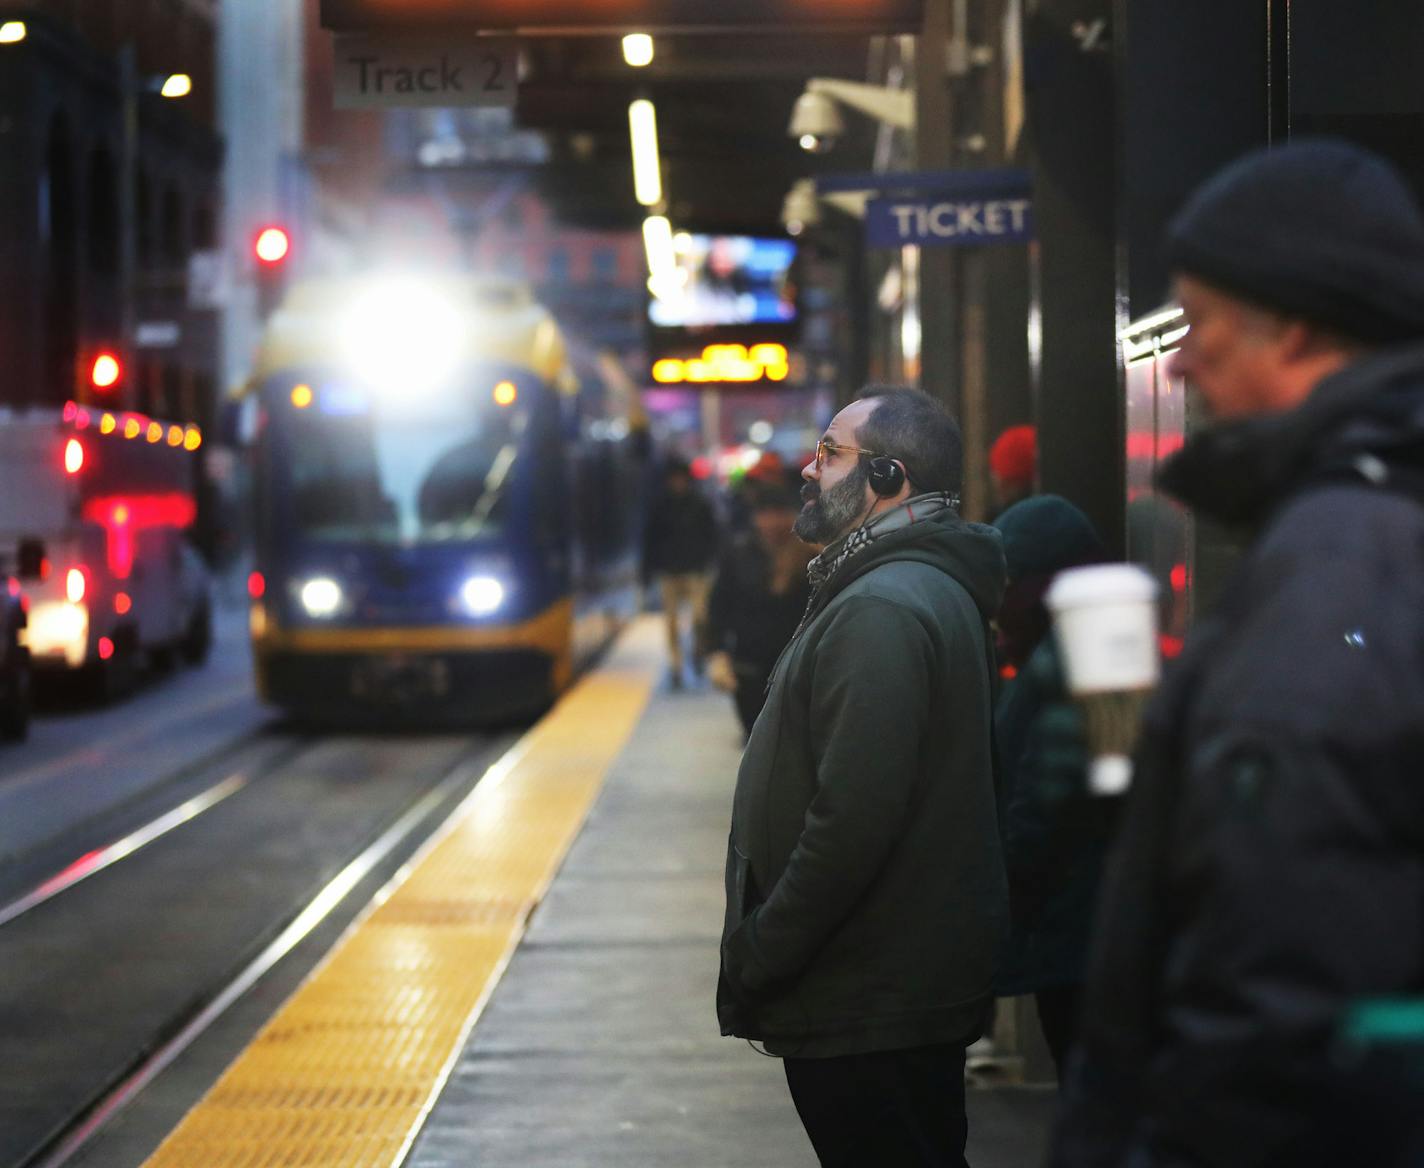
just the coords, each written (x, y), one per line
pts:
(744, 886)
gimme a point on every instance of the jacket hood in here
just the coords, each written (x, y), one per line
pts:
(1045, 534)
(971, 553)
(1363, 424)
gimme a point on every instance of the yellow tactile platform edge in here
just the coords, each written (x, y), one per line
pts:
(347, 1070)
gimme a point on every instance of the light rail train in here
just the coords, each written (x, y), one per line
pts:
(446, 523)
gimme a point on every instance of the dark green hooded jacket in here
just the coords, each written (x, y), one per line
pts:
(865, 883)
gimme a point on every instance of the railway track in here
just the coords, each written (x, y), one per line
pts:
(121, 959)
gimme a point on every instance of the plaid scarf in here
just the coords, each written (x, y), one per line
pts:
(835, 555)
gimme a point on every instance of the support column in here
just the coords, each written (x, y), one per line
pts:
(934, 150)
(1072, 123)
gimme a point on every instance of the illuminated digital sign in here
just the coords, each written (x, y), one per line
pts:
(548, 16)
(723, 364)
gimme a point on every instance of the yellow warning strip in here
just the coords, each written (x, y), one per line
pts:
(346, 1071)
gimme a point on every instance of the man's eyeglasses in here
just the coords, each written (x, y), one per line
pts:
(825, 448)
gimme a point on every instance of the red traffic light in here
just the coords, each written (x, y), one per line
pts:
(272, 245)
(106, 371)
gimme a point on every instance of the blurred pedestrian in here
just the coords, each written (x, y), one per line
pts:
(743, 489)
(1270, 871)
(866, 896)
(1013, 466)
(679, 547)
(1055, 835)
(758, 597)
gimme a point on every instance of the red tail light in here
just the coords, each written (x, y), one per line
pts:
(106, 371)
(256, 585)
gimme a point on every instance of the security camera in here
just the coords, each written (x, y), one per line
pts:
(801, 209)
(816, 122)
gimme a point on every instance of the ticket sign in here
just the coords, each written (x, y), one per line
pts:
(552, 16)
(947, 221)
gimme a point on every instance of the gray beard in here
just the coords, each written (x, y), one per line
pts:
(832, 514)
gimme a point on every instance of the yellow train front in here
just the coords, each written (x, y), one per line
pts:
(442, 532)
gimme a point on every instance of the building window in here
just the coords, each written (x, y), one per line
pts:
(103, 213)
(559, 265)
(172, 227)
(605, 264)
(143, 216)
(205, 219)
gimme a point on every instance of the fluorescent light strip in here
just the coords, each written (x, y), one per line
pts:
(647, 174)
(1148, 323)
(657, 239)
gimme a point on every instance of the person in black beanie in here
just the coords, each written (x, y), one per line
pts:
(1268, 880)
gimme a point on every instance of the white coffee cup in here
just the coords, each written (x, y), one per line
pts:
(1105, 619)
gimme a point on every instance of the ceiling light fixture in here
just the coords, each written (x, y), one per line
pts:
(647, 173)
(638, 49)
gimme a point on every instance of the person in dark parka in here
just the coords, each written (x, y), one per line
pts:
(1055, 833)
(758, 597)
(866, 893)
(1269, 877)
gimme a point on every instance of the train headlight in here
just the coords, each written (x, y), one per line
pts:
(481, 595)
(404, 337)
(321, 596)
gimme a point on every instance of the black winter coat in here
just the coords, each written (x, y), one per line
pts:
(681, 535)
(1270, 872)
(865, 886)
(1056, 836)
(745, 618)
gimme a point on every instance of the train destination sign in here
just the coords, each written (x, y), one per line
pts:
(725, 364)
(551, 16)
(380, 72)
(947, 221)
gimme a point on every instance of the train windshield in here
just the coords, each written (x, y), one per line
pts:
(363, 469)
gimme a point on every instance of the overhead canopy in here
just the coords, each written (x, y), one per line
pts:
(562, 16)
(723, 103)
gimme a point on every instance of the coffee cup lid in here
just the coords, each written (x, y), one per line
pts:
(1101, 584)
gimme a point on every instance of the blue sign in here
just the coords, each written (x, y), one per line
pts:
(965, 184)
(948, 220)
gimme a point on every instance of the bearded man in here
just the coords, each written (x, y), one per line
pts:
(866, 893)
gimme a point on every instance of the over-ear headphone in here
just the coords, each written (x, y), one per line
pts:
(886, 477)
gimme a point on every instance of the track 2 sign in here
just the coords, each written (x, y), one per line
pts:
(554, 16)
(381, 72)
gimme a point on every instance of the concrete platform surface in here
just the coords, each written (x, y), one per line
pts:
(600, 1045)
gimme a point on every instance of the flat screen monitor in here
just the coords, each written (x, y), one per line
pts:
(728, 281)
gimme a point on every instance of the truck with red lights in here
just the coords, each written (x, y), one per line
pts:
(97, 505)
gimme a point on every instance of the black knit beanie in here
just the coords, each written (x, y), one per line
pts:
(1319, 229)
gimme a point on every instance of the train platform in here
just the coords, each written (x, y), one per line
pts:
(536, 986)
